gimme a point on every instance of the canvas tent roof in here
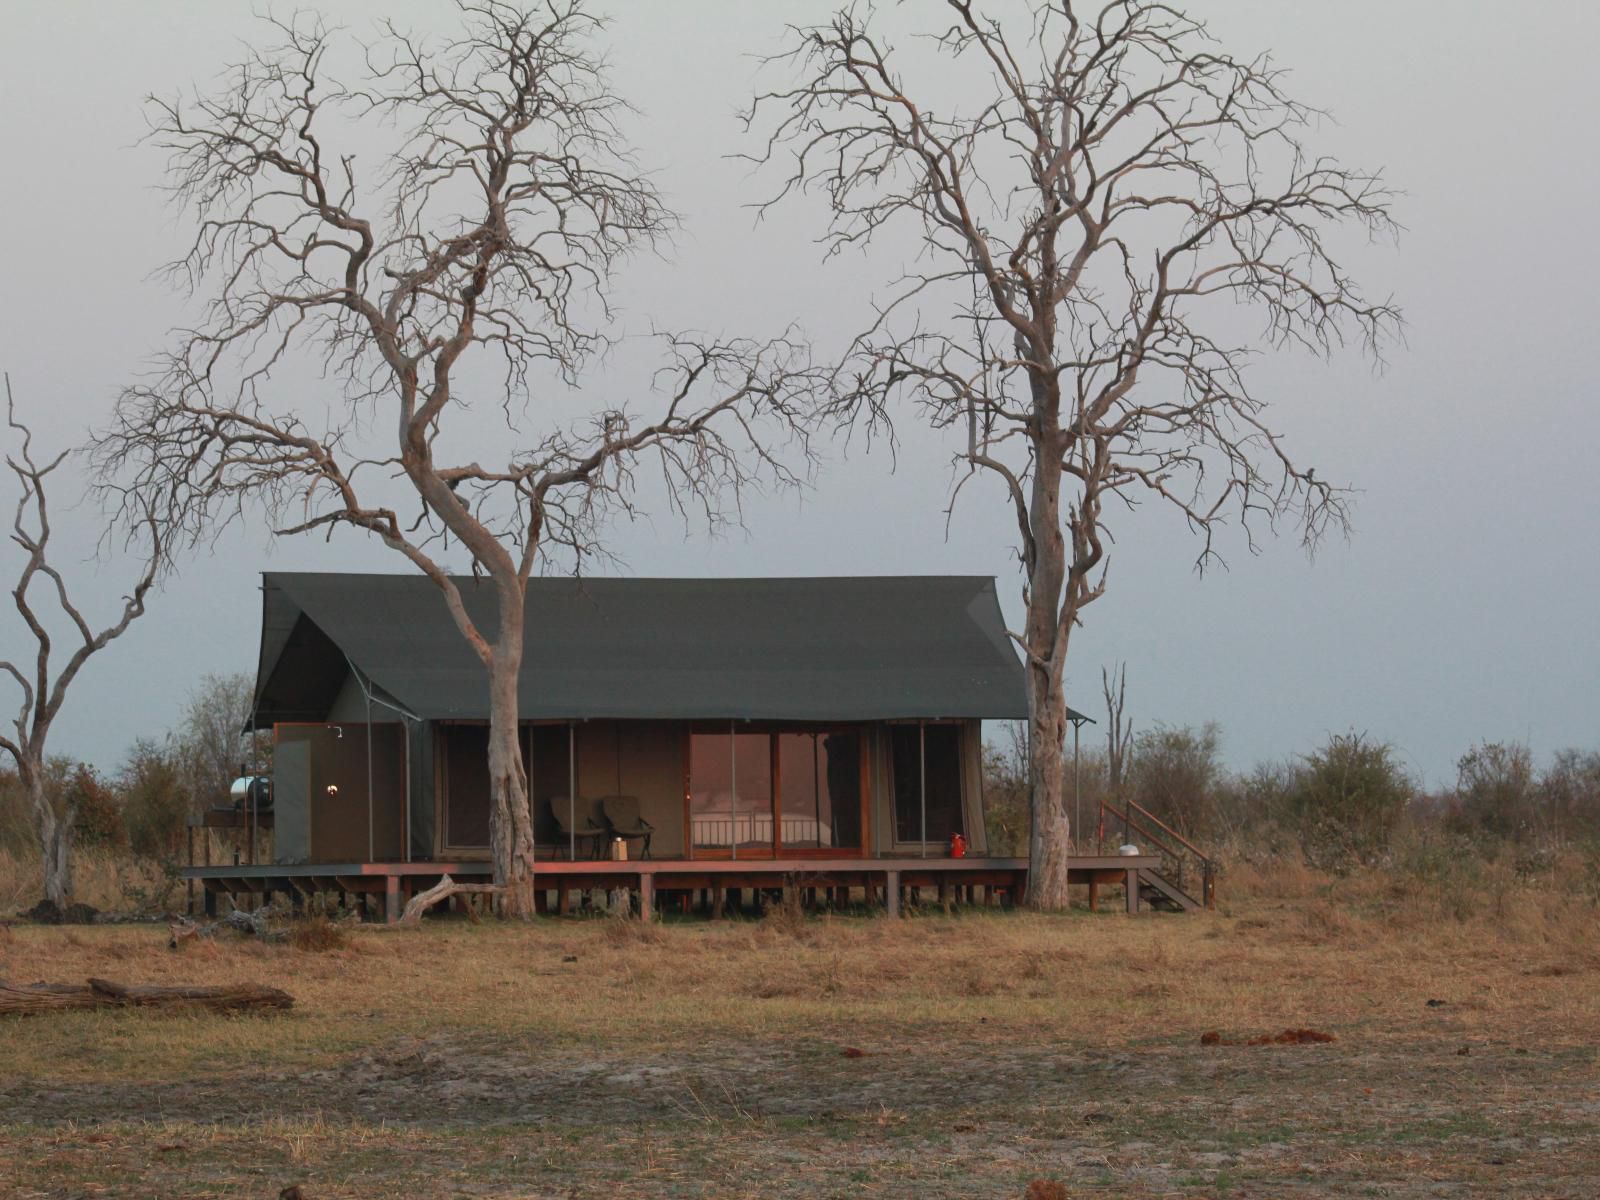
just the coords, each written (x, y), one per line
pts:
(858, 648)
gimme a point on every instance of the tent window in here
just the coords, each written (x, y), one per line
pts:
(549, 777)
(466, 783)
(820, 776)
(926, 756)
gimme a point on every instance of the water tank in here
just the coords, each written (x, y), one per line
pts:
(251, 792)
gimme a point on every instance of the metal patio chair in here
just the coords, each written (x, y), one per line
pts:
(581, 829)
(622, 813)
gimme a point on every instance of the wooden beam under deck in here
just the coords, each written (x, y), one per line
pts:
(647, 877)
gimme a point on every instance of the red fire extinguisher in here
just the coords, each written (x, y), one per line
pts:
(958, 846)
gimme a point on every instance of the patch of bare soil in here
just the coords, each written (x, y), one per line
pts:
(48, 912)
(1289, 1037)
(1391, 1114)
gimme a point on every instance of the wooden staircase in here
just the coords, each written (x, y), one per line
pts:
(1187, 880)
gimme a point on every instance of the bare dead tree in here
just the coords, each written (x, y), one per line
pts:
(1119, 731)
(1080, 235)
(44, 684)
(486, 242)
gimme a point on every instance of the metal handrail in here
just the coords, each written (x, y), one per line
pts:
(1208, 865)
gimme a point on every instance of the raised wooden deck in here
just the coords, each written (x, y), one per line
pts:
(1004, 878)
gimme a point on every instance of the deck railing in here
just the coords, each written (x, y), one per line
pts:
(1181, 859)
(755, 829)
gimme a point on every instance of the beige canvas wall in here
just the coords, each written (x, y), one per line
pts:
(636, 758)
(340, 828)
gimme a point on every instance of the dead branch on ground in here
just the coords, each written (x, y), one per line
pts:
(443, 890)
(103, 993)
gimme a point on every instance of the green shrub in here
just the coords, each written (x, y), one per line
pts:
(16, 821)
(97, 818)
(1495, 792)
(155, 803)
(1006, 817)
(1347, 800)
(1568, 802)
(1175, 773)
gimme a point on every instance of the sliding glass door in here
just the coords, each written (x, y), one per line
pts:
(730, 793)
(761, 794)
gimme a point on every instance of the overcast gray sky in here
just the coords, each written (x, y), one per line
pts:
(1462, 609)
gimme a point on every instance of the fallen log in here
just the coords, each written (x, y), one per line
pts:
(16, 1000)
(443, 890)
(254, 924)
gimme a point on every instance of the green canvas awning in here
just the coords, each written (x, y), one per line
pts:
(859, 648)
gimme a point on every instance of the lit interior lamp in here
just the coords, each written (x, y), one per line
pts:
(333, 789)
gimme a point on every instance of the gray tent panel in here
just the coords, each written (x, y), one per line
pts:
(860, 648)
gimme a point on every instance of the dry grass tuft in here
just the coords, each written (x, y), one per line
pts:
(624, 932)
(318, 934)
(1320, 923)
(788, 917)
(111, 881)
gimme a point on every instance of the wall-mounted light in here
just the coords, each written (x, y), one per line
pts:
(333, 789)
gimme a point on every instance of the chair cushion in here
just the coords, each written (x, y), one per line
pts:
(621, 811)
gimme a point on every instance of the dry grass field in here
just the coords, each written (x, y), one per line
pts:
(935, 1056)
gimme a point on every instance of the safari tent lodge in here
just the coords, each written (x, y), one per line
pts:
(687, 739)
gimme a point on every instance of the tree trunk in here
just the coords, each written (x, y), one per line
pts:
(511, 822)
(1049, 843)
(55, 841)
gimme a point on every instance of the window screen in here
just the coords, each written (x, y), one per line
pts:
(926, 756)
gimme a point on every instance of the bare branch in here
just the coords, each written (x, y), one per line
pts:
(486, 246)
(44, 687)
(1125, 189)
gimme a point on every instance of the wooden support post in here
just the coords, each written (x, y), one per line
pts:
(647, 896)
(391, 899)
(944, 894)
(1132, 889)
(1094, 895)
(891, 892)
(209, 901)
(563, 900)
(716, 901)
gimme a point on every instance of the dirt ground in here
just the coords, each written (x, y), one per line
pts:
(933, 1057)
